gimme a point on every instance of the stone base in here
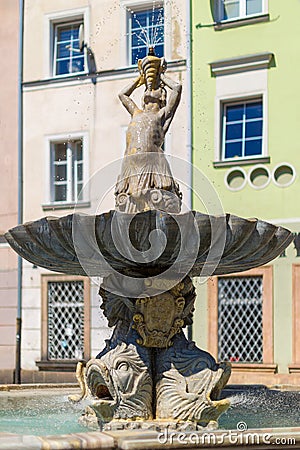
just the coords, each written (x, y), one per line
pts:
(91, 421)
(37, 376)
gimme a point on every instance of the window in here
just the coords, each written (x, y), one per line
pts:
(67, 58)
(145, 28)
(239, 9)
(66, 176)
(65, 321)
(240, 336)
(240, 321)
(242, 134)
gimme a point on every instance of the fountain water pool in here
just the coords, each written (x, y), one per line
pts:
(47, 411)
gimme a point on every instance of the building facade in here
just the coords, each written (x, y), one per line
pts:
(9, 45)
(245, 140)
(76, 59)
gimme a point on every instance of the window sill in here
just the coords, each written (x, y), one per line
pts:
(254, 367)
(241, 162)
(70, 75)
(294, 368)
(57, 365)
(54, 206)
(223, 25)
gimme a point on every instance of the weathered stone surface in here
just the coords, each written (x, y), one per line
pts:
(146, 251)
(50, 243)
(188, 383)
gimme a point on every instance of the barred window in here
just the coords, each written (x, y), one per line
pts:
(240, 319)
(65, 320)
(65, 324)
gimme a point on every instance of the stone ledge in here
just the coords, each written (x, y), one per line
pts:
(294, 368)
(149, 440)
(241, 63)
(56, 366)
(255, 367)
(37, 386)
(241, 22)
(38, 376)
(72, 205)
(241, 162)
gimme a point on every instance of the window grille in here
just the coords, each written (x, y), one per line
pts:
(65, 320)
(240, 316)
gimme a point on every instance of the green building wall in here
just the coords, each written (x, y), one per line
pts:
(280, 36)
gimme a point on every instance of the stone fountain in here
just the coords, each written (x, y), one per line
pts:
(149, 375)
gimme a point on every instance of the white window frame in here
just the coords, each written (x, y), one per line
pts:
(45, 279)
(54, 43)
(240, 86)
(225, 104)
(140, 5)
(243, 14)
(71, 181)
(141, 8)
(62, 18)
(49, 185)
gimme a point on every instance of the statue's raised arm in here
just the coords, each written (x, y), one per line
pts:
(173, 102)
(124, 95)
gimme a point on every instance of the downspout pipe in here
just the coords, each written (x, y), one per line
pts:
(189, 112)
(17, 374)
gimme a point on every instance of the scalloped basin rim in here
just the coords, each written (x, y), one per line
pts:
(82, 244)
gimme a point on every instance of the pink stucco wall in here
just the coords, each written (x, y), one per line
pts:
(9, 11)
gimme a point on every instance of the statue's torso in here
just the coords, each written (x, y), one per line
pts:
(145, 133)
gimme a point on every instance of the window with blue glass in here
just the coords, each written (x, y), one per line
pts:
(146, 28)
(238, 9)
(67, 57)
(242, 135)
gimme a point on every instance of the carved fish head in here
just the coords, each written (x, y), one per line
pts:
(189, 384)
(120, 384)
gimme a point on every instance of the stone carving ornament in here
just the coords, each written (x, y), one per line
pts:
(148, 370)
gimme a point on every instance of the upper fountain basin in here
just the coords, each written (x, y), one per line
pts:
(191, 243)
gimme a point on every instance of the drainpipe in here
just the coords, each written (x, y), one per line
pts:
(17, 377)
(189, 111)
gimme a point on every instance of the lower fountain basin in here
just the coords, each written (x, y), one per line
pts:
(259, 416)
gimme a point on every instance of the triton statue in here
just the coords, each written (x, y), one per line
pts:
(142, 172)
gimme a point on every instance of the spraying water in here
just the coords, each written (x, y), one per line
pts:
(148, 29)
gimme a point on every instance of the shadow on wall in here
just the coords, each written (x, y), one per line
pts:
(213, 10)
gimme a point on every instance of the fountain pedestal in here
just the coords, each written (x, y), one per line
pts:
(149, 370)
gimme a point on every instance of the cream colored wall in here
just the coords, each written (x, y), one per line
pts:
(106, 36)
(81, 106)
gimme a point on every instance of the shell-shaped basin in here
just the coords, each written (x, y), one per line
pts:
(148, 243)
